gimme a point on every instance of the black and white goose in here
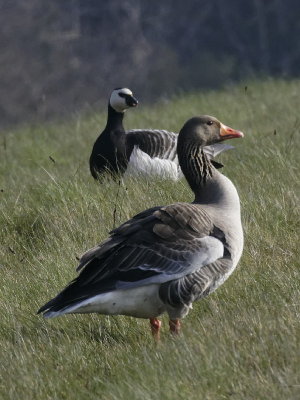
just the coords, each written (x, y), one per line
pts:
(149, 152)
(165, 258)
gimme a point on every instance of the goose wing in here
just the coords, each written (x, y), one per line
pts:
(156, 246)
(154, 142)
(162, 144)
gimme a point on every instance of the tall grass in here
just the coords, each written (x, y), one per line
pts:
(242, 342)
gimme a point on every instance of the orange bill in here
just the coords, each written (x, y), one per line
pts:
(228, 133)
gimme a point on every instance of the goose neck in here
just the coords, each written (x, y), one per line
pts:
(114, 119)
(218, 190)
(196, 167)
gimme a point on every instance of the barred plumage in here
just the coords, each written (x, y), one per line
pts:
(154, 142)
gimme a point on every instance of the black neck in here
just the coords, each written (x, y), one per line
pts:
(114, 119)
(195, 166)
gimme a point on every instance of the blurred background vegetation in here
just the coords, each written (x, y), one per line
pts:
(59, 56)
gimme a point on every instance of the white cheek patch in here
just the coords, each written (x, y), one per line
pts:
(118, 103)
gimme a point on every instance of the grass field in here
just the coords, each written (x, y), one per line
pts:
(242, 342)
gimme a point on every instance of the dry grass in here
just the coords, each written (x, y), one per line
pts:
(242, 342)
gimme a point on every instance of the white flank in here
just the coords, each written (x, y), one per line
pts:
(140, 302)
(142, 163)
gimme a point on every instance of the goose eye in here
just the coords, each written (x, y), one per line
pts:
(122, 95)
(209, 122)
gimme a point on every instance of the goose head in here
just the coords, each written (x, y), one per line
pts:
(206, 130)
(121, 99)
(196, 133)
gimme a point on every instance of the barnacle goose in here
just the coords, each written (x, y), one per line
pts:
(150, 152)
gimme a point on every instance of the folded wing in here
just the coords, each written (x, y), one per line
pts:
(156, 246)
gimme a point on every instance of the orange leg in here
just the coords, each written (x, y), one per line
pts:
(174, 325)
(155, 328)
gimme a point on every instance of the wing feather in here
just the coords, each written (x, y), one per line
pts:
(162, 143)
(154, 142)
(156, 246)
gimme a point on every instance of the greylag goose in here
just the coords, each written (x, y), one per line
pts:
(149, 152)
(165, 258)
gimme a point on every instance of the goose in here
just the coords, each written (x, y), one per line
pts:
(150, 152)
(166, 257)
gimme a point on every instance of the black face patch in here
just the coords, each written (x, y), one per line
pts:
(130, 100)
(123, 95)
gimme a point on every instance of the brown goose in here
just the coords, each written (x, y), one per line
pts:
(150, 152)
(165, 258)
